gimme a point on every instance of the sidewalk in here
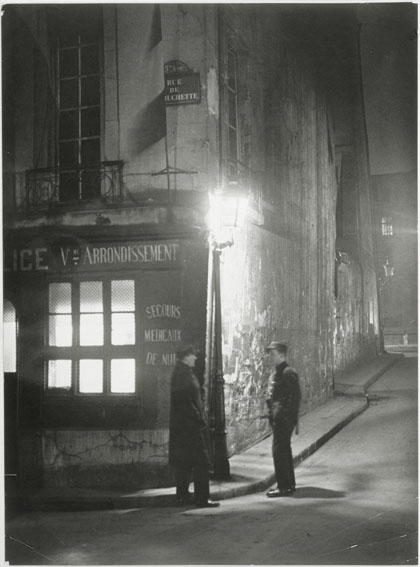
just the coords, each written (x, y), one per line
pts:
(251, 471)
(407, 350)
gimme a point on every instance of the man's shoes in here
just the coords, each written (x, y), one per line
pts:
(185, 500)
(280, 492)
(207, 504)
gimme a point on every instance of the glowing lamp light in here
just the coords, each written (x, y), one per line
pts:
(227, 212)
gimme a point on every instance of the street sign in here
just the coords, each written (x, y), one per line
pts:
(182, 86)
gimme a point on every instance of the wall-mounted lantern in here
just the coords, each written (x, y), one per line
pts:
(227, 213)
(388, 269)
(388, 274)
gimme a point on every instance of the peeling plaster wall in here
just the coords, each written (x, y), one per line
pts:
(278, 278)
(350, 342)
(83, 458)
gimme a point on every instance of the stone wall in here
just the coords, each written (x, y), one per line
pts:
(278, 279)
(93, 458)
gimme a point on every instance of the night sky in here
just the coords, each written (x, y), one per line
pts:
(389, 56)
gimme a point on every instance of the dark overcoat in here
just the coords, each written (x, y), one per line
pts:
(188, 434)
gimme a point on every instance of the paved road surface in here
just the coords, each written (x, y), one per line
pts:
(356, 504)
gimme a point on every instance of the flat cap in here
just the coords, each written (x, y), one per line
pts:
(184, 351)
(276, 345)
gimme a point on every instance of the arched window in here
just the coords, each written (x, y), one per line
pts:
(9, 337)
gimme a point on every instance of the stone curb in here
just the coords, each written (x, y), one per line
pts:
(111, 502)
(268, 481)
(99, 502)
(379, 373)
(343, 389)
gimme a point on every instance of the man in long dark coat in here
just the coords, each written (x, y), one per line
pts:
(188, 447)
(283, 403)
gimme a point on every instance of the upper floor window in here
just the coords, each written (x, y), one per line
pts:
(229, 108)
(79, 48)
(387, 228)
(232, 112)
(91, 337)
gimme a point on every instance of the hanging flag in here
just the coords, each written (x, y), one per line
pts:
(150, 123)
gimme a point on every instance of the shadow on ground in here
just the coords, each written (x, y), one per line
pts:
(317, 492)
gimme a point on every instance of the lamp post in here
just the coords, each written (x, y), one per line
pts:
(226, 214)
(384, 280)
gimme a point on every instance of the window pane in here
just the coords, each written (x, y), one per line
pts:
(69, 154)
(91, 151)
(123, 329)
(90, 122)
(91, 297)
(59, 374)
(68, 36)
(122, 295)
(90, 91)
(90, 59)
(69, 66)
(123, 376)
(60, 298)
(91, 376)
(69, 93)
(69, 124)
(91, 330)
(60, 332)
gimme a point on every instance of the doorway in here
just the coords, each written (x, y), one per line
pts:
(10, 328)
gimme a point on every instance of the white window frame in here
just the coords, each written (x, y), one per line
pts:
(77, 352)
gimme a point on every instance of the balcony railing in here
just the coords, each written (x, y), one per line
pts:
(49, 188)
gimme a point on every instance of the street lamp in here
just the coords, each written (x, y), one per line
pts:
(388, 269)
(227, 212)
(387, 276)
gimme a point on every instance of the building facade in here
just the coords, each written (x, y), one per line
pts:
(120, 122)
(395, 197)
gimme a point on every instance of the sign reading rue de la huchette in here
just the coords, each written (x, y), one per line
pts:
(182, 86)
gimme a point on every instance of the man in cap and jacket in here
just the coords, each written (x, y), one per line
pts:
(188, 446)
(283, 404)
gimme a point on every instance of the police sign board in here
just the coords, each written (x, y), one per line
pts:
(84, 256)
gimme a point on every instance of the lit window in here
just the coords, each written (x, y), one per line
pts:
(123, 375)
(91, 379)
(103, 348)
(387, 229)
(59, 374)
(60, 319)
(122, 306)
(91, 314)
